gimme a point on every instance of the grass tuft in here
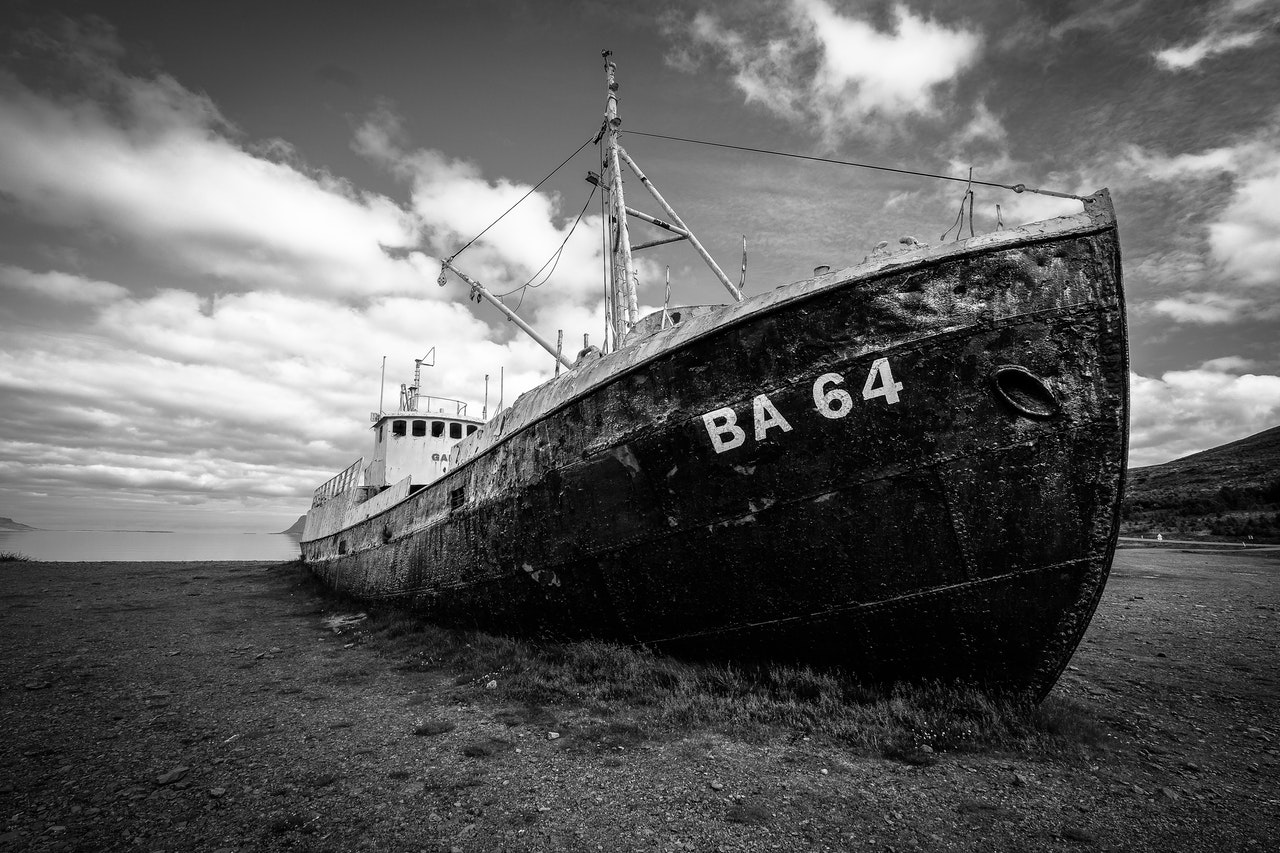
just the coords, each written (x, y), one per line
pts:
(13, 557)
(747, 813)
(487, 747)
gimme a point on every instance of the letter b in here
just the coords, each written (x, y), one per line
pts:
(722, 426)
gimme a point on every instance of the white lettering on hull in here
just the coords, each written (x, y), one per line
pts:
(829, 399)
(721, 423)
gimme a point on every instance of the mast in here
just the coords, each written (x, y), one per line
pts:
(624, 306)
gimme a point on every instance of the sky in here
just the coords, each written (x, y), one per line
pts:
(217, 219)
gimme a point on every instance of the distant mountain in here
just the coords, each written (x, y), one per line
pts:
(296, 527)
(1231, 491)
(10, 524)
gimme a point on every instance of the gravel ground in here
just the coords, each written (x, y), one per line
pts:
(208, 706)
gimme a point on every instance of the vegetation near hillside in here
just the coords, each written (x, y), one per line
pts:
(1229, 492)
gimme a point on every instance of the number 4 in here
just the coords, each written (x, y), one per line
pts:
(887, 388)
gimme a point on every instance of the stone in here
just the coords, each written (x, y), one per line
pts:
(172, 776)
(1075, 833)
(717, 786)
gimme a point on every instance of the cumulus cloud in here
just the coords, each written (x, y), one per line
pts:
(837, 70)
(1238, 274)
(1186, 411)
(453, 202)
(158, 166)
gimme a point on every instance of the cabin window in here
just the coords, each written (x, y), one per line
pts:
(397, 429)
(419, 428)
(457, 498)
(437, 429)
(471, 428)
(455, 430)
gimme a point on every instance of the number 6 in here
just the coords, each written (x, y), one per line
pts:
(826, 401)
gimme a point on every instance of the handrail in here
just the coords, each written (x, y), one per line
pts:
(337, 484)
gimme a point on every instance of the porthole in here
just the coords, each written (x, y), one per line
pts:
(1024, 391)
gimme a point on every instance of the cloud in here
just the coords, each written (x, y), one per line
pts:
(836, 70)
(1189, 56)
(1231, 267)
(1203, 306)
(258, 395)
(61, 287)
(454, 202)
(1232, 25)
(154, 165)
(1229, 364)
(1186, 411)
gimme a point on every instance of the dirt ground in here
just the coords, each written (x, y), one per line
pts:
(206, 706)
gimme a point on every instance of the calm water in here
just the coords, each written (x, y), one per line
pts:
(97, 545)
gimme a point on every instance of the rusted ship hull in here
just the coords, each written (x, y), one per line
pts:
(909, 469)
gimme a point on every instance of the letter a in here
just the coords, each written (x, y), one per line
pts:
(767, 415)
(727, 427)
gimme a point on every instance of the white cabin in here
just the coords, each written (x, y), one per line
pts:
(416, 445)
(410, 450)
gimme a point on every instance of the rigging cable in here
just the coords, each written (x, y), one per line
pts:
(1017, 188)
(531, 191)
(959, 223)
(555, 256)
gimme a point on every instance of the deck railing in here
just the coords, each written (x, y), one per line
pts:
(347, 478)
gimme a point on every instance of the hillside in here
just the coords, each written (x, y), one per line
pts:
(10, 524)
(1231, 491)
(296, 527)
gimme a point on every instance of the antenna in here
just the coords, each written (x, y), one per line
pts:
(382, 386)
(430, 361)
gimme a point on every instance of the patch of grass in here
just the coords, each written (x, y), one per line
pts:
(630, 695)
(349, 675)
(1062, 720)
(13, 557)
(605, 737)
(487, 748)
(747, 813)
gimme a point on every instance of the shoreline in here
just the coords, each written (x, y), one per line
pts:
(207, 706)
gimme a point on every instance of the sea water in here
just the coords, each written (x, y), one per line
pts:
(133, 545)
